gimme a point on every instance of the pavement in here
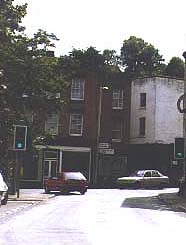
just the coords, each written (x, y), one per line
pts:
(172, 199)
(30, 195)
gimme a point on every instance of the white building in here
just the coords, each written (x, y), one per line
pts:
(154, 114)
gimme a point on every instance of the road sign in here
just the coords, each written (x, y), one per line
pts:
(104, 145)
(107, 151)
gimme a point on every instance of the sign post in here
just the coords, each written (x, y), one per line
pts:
(19, 144)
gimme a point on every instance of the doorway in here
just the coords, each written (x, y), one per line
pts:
(50, 168)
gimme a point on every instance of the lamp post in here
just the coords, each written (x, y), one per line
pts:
(184, 127)
(101, 89)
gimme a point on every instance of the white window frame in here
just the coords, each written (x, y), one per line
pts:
(78, 126)
(77, 89)
(117, 98)
(117, 130)
(52, 120)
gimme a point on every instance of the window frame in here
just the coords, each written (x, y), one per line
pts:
(50, 123)
(77, 89)
(117, 101)
(120, 131)
(72, 128)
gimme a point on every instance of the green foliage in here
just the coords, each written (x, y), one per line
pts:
(82, 61)
(89, 62)
(175, 68)
(10, 19)
(28, 70)
(140, 58)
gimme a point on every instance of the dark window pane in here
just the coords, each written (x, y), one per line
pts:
(142, 126)
(143, 100)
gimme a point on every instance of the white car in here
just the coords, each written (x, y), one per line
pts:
(144, 178)
(3, 191)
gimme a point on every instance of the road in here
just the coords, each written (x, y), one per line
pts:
(100, 217)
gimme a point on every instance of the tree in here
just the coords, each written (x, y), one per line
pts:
(140, 58)
(10, 26)
(90, 61)
(175, 68)
(28, 71)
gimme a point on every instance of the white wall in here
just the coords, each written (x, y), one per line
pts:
(169, 121)
(163, 121)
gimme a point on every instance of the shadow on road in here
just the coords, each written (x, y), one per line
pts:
(152, 203)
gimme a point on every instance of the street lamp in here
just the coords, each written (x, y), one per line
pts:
(101, 89)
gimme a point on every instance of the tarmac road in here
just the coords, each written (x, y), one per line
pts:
(99, 217)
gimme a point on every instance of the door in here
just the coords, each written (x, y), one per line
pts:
(147, 180)
(156, 178)
(50, 168)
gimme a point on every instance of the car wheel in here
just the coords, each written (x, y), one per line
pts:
(47, 191)
(64, 192)
(5, 200)
(83, 192)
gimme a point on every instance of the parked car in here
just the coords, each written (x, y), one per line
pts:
(3, 190)
(144, 178)
(66, 182)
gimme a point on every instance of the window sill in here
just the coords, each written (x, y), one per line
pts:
(73, 99)
(116, 140)
(117, 108)
(141, 136)
(76, 135)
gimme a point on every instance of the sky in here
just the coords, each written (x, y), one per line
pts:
(105, 24)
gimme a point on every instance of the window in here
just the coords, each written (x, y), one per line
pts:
(51, 124)
(50, 155)
(117, 98)
(142, 126)
(155, 174)
(117, 130)
(143, 100)
(77, 89)
(76, 124)
(147, 174)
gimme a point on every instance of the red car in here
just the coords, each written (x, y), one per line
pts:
(66, 182)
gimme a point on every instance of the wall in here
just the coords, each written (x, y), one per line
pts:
(169, 121)
(163, 121)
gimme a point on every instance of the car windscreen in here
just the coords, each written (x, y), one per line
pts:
(77, 176)
(137, 174)
(1, 178)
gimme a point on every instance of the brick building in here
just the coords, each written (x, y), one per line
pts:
(89, 133)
